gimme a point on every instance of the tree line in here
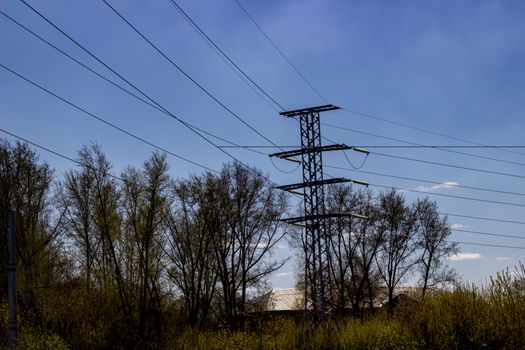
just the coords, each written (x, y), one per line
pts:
(388, 243)
(127, 261)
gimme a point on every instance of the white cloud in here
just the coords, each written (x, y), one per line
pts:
(465, 256)
(444, 185)
(502, 258)
(284, 274)
(457, 226)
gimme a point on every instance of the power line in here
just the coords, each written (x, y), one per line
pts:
(237, 72)
(426, 181)
(468, 216)
(440, 146)
(367, 115)
(114, 126)
(135, 87)
(207, 39)
(385, 146)
(488, 234)
(115, 84)
(448, 195)
(209, 94)
(118, 178)
(281, 53)
(490, 245)
(370, 116)
(188, 18)
(448, 165)
(415, 144)
(41, 147)
(52, 152)
(484, 218)
(459, 215)
(200, 135)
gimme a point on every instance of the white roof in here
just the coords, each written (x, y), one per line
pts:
(287, 299)
(282, 299)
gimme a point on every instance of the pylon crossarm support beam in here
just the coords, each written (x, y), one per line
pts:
(300, 151)
(359, 182)
(309, 110)
(359, 216)
(290, 188)
(296, 186)
(292, 160)
(296, 219)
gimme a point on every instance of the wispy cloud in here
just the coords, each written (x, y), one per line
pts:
(284, 274)
(258, 245)
(440, 186)
(457, 226)
(502, 258)
(465, 256)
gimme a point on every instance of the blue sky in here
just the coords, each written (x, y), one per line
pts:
(447, 66)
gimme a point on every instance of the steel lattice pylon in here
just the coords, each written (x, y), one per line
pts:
(316, 244)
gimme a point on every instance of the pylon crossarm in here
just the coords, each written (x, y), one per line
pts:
(296, 219)
(295, 186)
(309, 110)
(300, 151)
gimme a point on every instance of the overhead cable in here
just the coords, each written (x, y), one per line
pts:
(218, 50)
(134, 95)
(209, 94)
(280, 52)
(114, 126)
(135, 87)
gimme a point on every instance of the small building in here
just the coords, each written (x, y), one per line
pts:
(291, 300)
(280, 300)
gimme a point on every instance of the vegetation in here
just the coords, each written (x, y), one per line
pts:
(143, 261)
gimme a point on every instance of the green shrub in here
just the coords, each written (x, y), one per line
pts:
(506, 296)
(375, 334)
(451, 320)
(38, 340)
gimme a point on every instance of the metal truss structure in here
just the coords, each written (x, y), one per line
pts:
(316, 244)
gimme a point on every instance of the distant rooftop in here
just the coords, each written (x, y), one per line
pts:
(281, 299)
(291, 299)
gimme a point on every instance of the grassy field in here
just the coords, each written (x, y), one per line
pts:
(492, 317)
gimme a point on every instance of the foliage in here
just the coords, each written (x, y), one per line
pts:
(144, 261)
(40, 340)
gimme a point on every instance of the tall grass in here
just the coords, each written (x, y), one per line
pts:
(469, 317)
(492, 317)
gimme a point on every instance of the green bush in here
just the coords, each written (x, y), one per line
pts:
(506, 296)
(492, 317)
(451, 320)
(37, 340)
(375, 334)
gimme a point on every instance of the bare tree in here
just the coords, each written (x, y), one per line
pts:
(145, 195)
(25, 186)
(396, 257)
(192, 222)
(250, 229)
(75, 195)
(339, 200)
(433, 234)
(355, 242)
(107, 222)
(366, 238)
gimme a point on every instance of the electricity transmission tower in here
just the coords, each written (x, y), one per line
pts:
(318, 300)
